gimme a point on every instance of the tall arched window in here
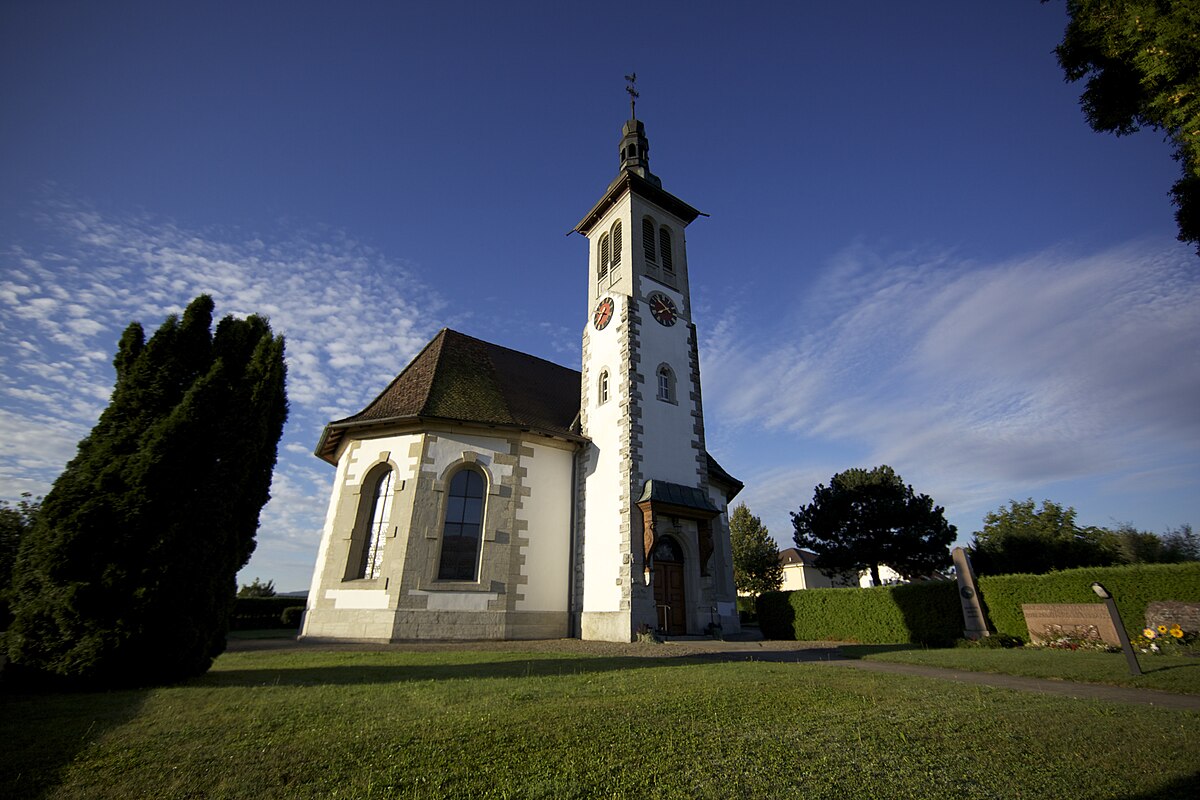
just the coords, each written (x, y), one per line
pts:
(616, 243)
(648, 238)
(602, 265)
(664, 247)
(463, 527)
(666, 384)
(602, 387)
(375, 531)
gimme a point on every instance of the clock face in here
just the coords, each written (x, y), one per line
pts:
(604, 314)
(663, 309)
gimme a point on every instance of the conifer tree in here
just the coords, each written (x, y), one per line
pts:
(756, 567)
(129, 573)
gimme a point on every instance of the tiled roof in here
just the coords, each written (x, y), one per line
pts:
(460, 378)
(793, 556)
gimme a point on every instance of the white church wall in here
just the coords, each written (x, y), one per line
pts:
(547, 516)
(329, 588)
(602, 513)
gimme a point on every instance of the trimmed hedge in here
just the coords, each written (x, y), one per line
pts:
(923, 613)
(1133, 587)
(257, 613)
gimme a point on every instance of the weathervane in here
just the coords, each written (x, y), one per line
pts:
(633, 93)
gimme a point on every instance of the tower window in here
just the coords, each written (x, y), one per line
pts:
(463, 527)
(666, 384)
(602, 387)
(616, 243)
(373, 533)
(664, 246)
(648, 238)
(605, 250)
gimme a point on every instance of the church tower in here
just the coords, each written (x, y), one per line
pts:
(653, 547)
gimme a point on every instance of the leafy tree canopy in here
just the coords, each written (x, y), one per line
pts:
(1141, 59)
(15, 522)
(1023, 538)
(756, 567)
(866, 518)
(257, 589)
(128, 574)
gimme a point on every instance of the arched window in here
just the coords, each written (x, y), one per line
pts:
(463, 528)
(666, 384)
(648, 238)
(374, 533)
(664, 247)
(616, 243)
(602, 387)
(602, 262)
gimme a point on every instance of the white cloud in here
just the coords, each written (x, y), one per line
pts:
(352, 318)
(976, 381)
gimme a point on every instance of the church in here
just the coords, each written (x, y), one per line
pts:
(489, 494)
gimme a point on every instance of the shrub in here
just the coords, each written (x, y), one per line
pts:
(291, 616)
(924, 613)
(255, 613)
(1133, 587)
(994, 642)
(747, 610)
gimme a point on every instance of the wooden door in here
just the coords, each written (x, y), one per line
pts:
(669, 601)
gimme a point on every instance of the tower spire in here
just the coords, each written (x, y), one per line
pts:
(635, 147)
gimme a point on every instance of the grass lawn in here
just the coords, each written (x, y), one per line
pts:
(1169, 673)
(507, 724)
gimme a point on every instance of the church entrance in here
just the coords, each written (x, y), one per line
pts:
(669, 598)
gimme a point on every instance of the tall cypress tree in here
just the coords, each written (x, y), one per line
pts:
(130, 572)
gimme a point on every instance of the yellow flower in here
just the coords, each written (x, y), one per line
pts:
(1162, 628)
(1149, 633)
(1177, 632)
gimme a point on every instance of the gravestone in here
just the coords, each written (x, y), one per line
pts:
(974, 623)
(1074, 620)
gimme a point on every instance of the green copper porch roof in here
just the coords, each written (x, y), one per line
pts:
(677, 495)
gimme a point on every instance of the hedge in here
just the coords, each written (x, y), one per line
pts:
(1133, 587)
(930, 612)
(255, 613)
(925, 613)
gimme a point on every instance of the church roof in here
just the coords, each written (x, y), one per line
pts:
(628, 180)
(458, 378)
(463, 379)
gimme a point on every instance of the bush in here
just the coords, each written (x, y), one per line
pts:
(1133, 587)
(924, 613)
(257, 613)
(993, 642)
(291, 616)
(747, 610)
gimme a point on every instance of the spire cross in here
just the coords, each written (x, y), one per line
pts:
(633, 93)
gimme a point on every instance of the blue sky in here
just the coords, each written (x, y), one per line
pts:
(918, 253)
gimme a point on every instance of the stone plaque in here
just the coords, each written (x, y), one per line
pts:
(1077, 620)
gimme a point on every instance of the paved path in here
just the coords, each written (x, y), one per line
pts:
(747, 648)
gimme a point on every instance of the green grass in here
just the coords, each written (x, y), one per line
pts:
(1168, 673)
(507, 724)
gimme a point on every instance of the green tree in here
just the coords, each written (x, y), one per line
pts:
(129, 573)
(1024, 538)
(1141, 59)
(15, 522)
(756, 567)
(867, 518)
(1180, 544)
(257, 589)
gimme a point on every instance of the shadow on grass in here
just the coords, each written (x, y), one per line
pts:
(351, 674)
(857, 651)
(44, 731)
(1180, 787)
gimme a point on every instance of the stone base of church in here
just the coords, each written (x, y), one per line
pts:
(606, 626)
(390, 625)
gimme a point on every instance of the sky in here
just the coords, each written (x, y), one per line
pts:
(916, 253)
